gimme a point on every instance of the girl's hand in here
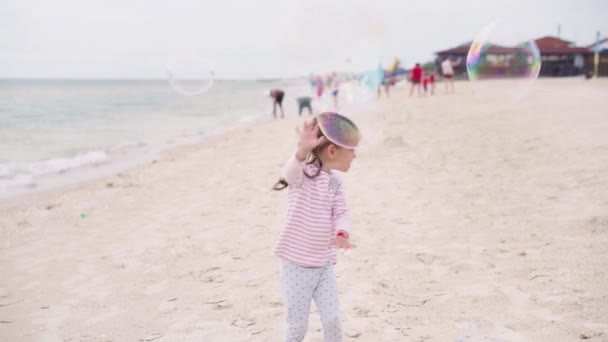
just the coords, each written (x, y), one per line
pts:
(308, 138)
(342, 242)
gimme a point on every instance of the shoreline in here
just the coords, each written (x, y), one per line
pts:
(58, 182)
(168, 124)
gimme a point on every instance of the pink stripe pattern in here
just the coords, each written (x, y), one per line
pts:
(316, 211)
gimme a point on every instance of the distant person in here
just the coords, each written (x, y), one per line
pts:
(313, 82)
(319, 84)
(277, 99)
(425, 82)
(335, 88)
(390, 82)
(383, 82)
(304, 102)
(447, 68)
(416, 79)
(386, 84)
(432, 82)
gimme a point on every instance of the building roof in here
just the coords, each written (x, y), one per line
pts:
(458, 50)
(563, 50)
(554, 45)
(463, 49)
(552, 42)
(546, 45)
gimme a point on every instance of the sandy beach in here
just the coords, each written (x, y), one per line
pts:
(475, 221)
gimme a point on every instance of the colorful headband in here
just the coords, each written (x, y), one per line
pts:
(339, 129)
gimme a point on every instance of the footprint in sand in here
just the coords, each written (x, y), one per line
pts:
(353, 334)
(4, 292)
(598, 224)
(361, 312)
(426, 259)
(481, 330)
(221, 306)
(243, 323)
(396, 141)
(274, 303)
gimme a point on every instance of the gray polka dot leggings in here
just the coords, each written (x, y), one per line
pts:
(300, 286)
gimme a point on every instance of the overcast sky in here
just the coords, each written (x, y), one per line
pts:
(264, 38)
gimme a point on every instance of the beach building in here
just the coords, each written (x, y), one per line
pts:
(559, 58)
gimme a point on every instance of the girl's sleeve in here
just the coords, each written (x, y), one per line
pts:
(340, 214)
(293, 171)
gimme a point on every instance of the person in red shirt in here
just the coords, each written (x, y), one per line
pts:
(416, 78)
(425, 83)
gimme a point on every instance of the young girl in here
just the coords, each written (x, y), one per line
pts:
(317, 222)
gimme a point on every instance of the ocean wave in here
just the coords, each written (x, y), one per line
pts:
(19, 174)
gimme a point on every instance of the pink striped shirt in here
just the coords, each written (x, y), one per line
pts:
(316, 210)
